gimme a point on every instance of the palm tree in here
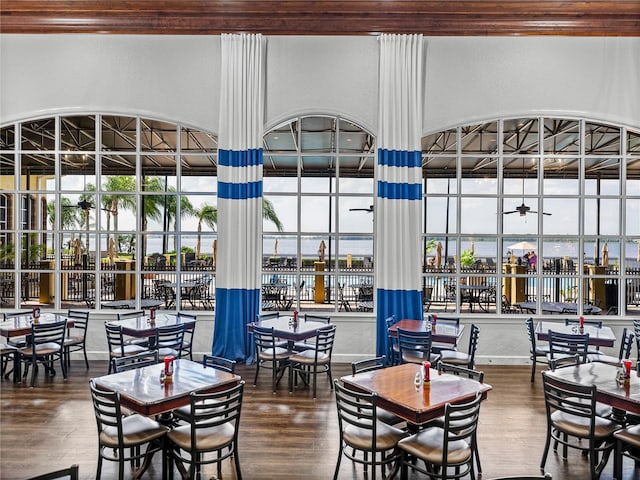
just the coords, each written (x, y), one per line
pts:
(269, 213)
(111, 203)
(207, 214)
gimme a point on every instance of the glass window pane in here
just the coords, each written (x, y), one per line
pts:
(479, 175)
(285, 210)
(561, 135)
(77, 172)
(78, 133)
(564, 219)
(600, 139)
(118, 133)
(478, 215)
(440, 142)
(601, 216)
(561, 176)
(633, 216)
(482, 138)
(441, 215)
(520, 136)
(193, 140)
(602, 176)
(317, 214)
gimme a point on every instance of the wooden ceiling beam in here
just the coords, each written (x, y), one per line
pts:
(329, 17)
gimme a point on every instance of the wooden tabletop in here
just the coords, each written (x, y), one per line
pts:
(283, 327)
(398, 394)
(598, 336)
(19, 326)
(444, 332)
(625, 396)
(142, 327)
(141, 391)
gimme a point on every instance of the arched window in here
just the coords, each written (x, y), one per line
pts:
(102, 199)
(526, 211)
(319, 178)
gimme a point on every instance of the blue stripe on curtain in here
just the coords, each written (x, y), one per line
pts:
(240, 191)
(399, 158)
(404, 304)
(399, 191)
(231, 339)
(240, 158)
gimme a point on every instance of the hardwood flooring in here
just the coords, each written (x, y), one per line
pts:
(282, 436)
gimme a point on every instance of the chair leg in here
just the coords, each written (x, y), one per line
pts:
(533, 369)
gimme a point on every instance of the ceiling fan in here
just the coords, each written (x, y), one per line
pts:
(368, 210)
(523, 210)
(82, 204)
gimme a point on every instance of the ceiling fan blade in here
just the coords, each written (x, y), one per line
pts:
(512, 211)
(370, 209)
(545, 213)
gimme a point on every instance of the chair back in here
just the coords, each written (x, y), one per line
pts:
(219, 363)
(115, 339)
(136, 314)
(108, 413)
(187, 316)
(169, 339)
(474, 336)
(324, 341)
(131, 362)
(626, 344)
(228, 405)
(368, 365)
(356, 410)
(532, 335)
(263, 338)
(448, 320)
(45, 333)
(571, 321)
(267, 316)
(460, 425)
(80, 320)
(460, 370)
(414, 345)
(317, 318)
(20, 313)
(71, 473)
(565, 345)
(573, 399)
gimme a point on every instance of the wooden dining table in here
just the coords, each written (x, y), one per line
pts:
(598, 336)
(398, 394)
(622, 396)
(141, 391)
(444, 332)
(144, 327)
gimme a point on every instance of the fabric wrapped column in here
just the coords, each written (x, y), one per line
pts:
(239, 248)
(399, 189)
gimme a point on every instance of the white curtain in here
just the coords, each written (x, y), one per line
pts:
(239, 253)
(399, 188)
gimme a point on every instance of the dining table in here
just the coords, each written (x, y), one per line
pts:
(559, 308)
(598, 336)
(144, 327)
(418, 405)
(141, 391)
(145, 303)
(441, 332)
(20, 326)
(285, 329)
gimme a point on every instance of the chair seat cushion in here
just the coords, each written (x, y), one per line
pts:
(579, 426)
(630, 435)
(309, 356)
(41, 349)
(281, 354)
(454, 357)
(136, 430)
(6, 349)
(360, 438)
(419, 357)
(602, 358)
(73, 341)
(128, 350)
(165, 352)
(427, 445)
(207, 439)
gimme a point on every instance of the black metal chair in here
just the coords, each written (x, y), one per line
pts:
(131, 362)
(116, 344)
(572, 421)
(46, 344)
(415, 346)
(270, 355)
(209, 430)
(393, 350)
(307, 362)
(169, 340)
(120, 437)
(627, 445)
(442, 448)
(78, 342)
(364, 438)
(187, 342)
(567, 348)
(468, 358)
(537, 353)
(626, 343)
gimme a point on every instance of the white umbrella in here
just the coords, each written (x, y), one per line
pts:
(605, 255)
(275, 248)
(77, 251)
(522, 246)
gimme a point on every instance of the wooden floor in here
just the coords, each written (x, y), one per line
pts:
(282, 436)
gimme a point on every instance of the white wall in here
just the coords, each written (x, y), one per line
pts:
(467, 79)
